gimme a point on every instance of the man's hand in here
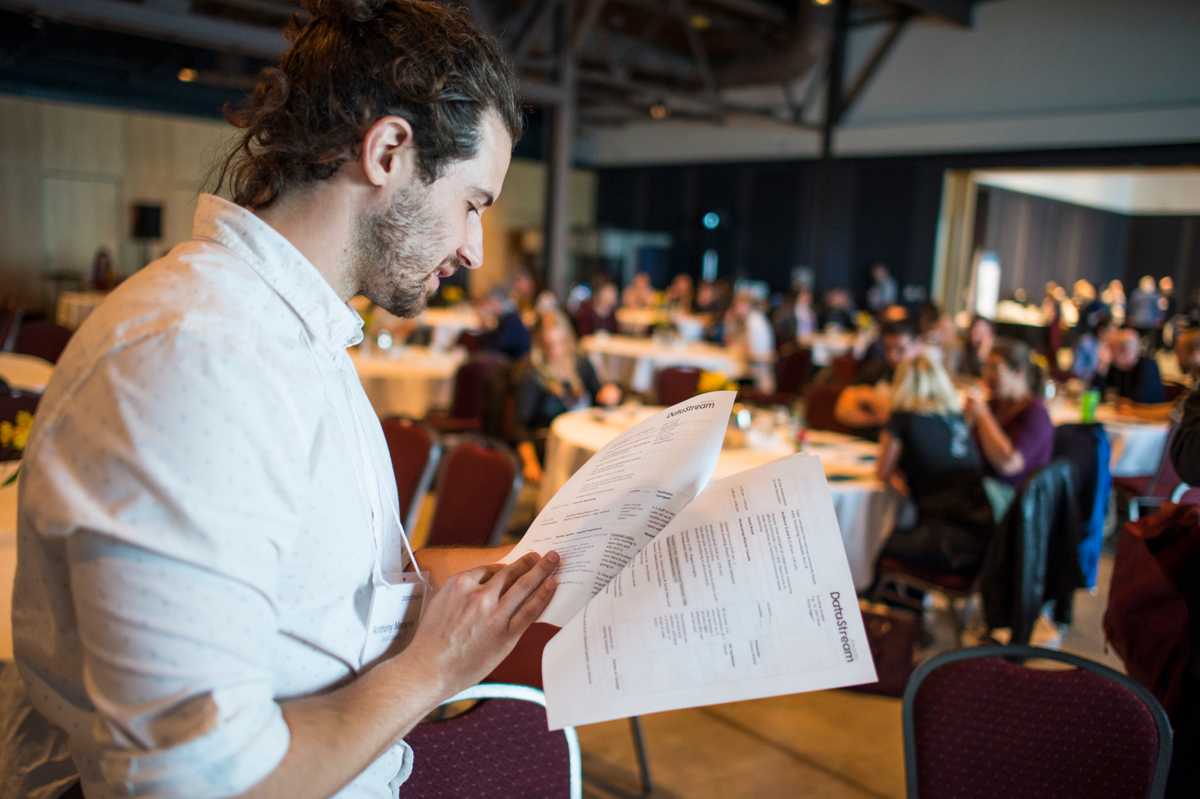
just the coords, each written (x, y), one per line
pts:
(475, 620)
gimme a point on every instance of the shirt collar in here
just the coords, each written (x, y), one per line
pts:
(282, 267)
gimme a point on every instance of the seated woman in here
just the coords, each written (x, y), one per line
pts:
(554, 379)
(1012, 427)
(926, 451)
(748, 332)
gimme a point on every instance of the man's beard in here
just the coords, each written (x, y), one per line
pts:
(395, 251)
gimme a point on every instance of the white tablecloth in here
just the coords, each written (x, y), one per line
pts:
(449, 323)
(1137, 446)
(408, 381)
(637, 321)
(8, 556)
(866, 510)
(74, 307)
(632, 362)
(25, 372)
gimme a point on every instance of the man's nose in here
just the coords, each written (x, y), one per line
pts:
(471, 251)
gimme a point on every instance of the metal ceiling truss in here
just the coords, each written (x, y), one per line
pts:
(681, 55)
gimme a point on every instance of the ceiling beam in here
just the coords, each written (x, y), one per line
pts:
(755, 9)
(867, 71)
(956, 11)
(189, 29)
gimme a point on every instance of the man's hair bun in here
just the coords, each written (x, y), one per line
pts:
(353, 10)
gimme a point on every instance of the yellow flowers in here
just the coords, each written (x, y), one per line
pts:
(16, 434)
(453, 294)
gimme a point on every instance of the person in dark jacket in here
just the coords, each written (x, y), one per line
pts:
(507, 333)
(1127, 371)
(554, 379)
(599, 312)
(1185, 446)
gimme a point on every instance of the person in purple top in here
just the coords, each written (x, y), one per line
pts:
(1013, 428)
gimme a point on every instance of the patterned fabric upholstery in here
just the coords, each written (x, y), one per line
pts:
(412, 447)
(676, 384)
(987, 728)
(476, 485)
(500, 748)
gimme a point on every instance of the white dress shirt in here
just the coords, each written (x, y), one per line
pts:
(202, 501)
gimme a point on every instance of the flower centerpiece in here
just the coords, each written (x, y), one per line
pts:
(13, 437)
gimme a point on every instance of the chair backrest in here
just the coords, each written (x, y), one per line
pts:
(42, 338)
(793, 369)
(471, 382)
(498, 749)
(819, 403)
(477, 485)
(843, 368)
(978, 724)
(1086, 448)
(1166, 479)
(415, 453)
(675, 384)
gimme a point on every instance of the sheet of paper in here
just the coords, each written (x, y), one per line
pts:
(624, 496)
(746, 594)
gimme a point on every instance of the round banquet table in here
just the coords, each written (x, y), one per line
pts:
(448, 324)
(637, 321)
(25, 372)
(631, 361)
(408, 381)
(8, 555)
(866, 509)
(74, 307)
(1137, 445)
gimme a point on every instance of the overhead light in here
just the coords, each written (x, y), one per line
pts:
(822, 2)
(658, 111)
(187, 74)
(700, 22)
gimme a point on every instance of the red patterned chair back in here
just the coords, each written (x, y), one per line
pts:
(415, 454)
(477, 484)
(843, 369)
(819, 404)
(498, 749)
(470, 384)
(978, 724)
(676, 384)
(793, 370)
(42, 338)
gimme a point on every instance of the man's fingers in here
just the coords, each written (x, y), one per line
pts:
(527, 583)
(512, 572)
(480, 574)
(533, 607)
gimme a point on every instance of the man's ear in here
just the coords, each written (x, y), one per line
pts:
(389, 155)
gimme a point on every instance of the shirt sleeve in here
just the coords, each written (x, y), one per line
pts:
(1032, 434)
(172, 476)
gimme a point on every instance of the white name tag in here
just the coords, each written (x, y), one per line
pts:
(392, 621)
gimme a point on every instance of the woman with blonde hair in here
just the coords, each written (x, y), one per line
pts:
(552, 380)
(927, 452)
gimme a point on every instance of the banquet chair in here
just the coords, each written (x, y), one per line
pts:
(676, 384)
(1164, 485)
(979, 723)
(844, 368)
(793, 369)
(42, 338)
(477, 485)
(498, 748)
(469, 402)
(819, 403)
(523, 666)
(415, 453)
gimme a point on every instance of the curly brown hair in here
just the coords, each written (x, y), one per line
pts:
(352, 62)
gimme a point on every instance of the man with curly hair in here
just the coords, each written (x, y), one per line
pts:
(214, 595)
